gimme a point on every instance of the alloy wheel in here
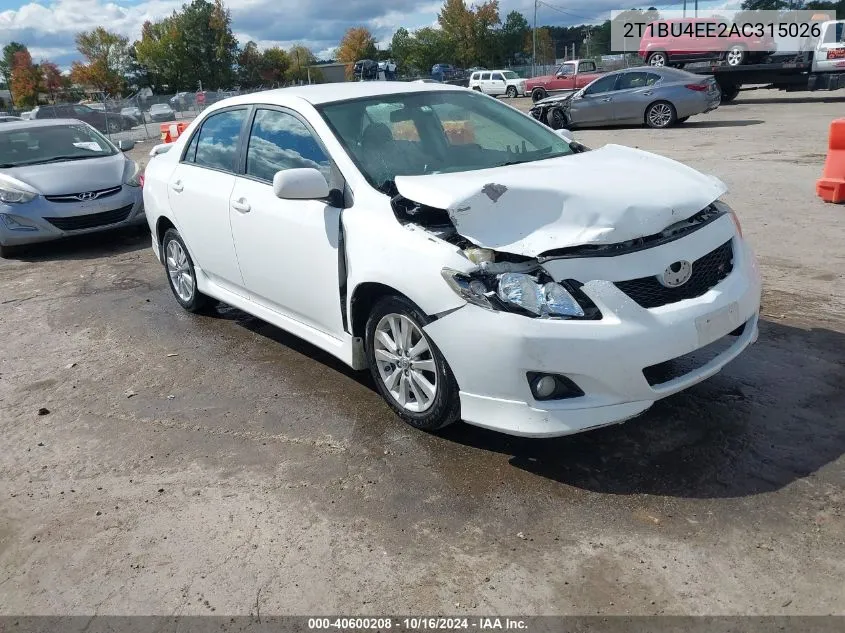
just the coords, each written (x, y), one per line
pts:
(660, 115)
(179, 271)
(735, 56)
(405, 363)
(657, 60)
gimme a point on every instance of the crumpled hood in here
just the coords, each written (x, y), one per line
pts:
(55, 179)
(604, 196)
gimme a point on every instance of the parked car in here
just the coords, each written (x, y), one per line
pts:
(61, 177)
(685, 40)
(161, 112)
(7, 118)
(487, 270)
(569, 77)
(182, 101)
(656, 97)
(109, 122)
(134, 113)
(445, 72)
(498, 83)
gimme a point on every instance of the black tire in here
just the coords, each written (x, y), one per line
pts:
(729, 93)
(658, 59)
(113, 126)
(446, 407)
(538, 93)
(736, 55)
(476, 88)
(197, 301)
(7, 251)
(511, 92)
(668, 115)
(557, 118)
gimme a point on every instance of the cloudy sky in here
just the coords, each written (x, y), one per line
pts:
(48, 27)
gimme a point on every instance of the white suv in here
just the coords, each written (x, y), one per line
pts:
(476, 262)
(498, 83)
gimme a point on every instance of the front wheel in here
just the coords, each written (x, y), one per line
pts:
(538, 94)
(409, 371)
(557, 119)
(511, 92)
(113, 127)
(660, 115)
(181, 274)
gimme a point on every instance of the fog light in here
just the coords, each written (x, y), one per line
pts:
(552, 386)
(544, 386)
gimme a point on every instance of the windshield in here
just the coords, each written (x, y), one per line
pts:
(436, 132)
(53, 143)
(509, 74)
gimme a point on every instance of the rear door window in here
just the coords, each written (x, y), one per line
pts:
(217, 140)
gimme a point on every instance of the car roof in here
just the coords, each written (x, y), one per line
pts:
(318, 94)
(23, 124)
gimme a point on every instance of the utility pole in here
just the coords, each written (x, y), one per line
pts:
(685, 8)
(534, 42)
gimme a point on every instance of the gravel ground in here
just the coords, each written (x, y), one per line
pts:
(157, 462)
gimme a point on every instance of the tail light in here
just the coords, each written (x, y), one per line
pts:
(697, 87)
(141, 179)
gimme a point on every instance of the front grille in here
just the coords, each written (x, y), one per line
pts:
(74, 197)
(706, 273)
(661, 373)
(79, 222)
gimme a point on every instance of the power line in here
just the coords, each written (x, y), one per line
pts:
(566, 12)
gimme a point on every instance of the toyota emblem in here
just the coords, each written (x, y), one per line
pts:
(88, 195)
(676, 274)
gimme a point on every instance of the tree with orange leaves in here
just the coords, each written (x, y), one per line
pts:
(357, 43)
(26, 79)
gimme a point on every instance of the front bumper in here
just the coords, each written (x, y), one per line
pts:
(490, 353)
(66, 213)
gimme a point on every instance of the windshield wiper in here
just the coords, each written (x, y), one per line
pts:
(57, 159)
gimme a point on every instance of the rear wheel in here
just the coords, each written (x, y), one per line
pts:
(511, 92)
(729, 93)
(7, 251)
(735, 56)
(112, 126)
(538, 94)
(658, 59)
(409, 371)
(476, 88)
(660, 114)
(181, 274)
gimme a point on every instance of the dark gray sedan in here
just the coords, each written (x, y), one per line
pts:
(656, 97)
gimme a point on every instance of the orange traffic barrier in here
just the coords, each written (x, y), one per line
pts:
(171, 131)
(831, 186)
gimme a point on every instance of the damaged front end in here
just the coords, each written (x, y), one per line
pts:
(553, 111)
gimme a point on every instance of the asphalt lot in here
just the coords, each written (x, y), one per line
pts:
(215, 464)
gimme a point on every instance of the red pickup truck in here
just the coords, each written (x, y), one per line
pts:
(570, 76)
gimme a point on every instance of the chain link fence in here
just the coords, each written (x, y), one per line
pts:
(136, 118)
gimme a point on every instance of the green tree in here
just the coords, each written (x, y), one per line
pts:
(249, 65)
(301, 58)
(401, 47)
(274, 65)
(512, 35)
(195, 44)
(7, 62)
(107, 57)
(469, 30)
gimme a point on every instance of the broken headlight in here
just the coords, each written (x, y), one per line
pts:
(514, 290)
(548, 299)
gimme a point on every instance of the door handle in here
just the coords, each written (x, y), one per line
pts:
(177, 186)
(648, 94)
(607, 99)
(241, 205)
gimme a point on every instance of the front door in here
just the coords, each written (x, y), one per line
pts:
(634, 92)
(287, 249)
(498, 85)
(199, 191)
(595, 106)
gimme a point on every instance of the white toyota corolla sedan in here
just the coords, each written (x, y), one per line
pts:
(480, 265)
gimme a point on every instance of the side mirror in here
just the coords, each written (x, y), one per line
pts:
(300, 184)
(566, 135)
(125, 146)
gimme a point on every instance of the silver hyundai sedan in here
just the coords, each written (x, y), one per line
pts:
(60, 177)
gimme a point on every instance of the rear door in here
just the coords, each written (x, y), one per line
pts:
(199, 192)
(486, 83)
(634, 91)
(498, 85)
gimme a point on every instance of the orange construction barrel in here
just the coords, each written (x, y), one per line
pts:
(831, 186)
